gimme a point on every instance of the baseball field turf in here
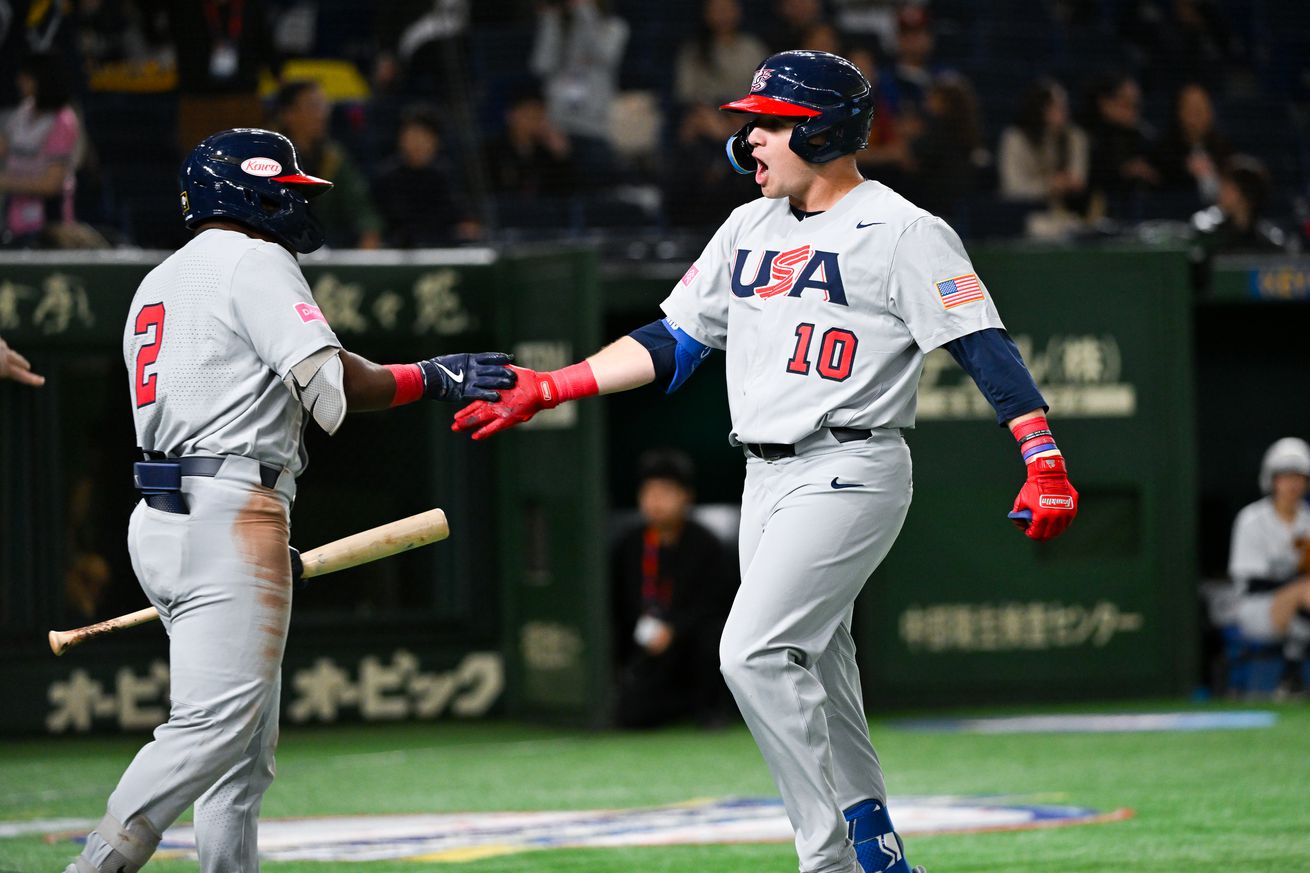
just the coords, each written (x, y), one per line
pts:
(1200, 800)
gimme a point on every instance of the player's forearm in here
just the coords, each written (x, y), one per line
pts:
(368, 386)
(1026, 417)
(621, 366)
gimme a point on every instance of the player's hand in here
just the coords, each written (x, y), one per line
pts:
(15, 366)
(533, 392)
(457, 378)
(1047, 502)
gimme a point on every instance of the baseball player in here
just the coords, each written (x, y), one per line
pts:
(1269, 561)
(826, 293)
(228, 359)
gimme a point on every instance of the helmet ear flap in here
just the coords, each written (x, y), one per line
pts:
(739, 149)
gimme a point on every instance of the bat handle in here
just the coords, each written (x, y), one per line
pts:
(60, 641)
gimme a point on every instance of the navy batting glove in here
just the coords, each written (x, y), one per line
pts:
(470, 376)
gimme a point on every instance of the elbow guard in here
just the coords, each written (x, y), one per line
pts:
(673, 351)
(319, 383)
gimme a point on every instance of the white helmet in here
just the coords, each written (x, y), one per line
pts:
(1288, 455)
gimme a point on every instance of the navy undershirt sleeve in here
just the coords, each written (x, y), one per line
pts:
(997, 368)
(662, 347)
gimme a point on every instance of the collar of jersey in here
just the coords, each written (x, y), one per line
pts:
(840, 207)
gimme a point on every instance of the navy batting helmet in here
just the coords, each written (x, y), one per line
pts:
(829, 95)
(252, 177)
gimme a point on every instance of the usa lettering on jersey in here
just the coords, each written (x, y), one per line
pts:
(791, 273)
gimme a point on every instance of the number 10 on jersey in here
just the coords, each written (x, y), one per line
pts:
(836, 353)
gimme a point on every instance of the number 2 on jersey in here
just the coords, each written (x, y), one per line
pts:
(836, 353)
(149, 316)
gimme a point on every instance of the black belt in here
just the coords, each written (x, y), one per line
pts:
(774, 451)
(159, 478)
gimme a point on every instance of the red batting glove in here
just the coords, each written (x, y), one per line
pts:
(531, 393)
(1047, 502)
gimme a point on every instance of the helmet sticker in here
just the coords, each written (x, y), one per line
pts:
(761, 76)
(186, 203)
(261, 167)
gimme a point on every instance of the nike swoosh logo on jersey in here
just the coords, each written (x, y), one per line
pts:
(862, 224)
(458, 377)
(839, 485)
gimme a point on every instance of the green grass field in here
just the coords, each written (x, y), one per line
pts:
(1213, 800)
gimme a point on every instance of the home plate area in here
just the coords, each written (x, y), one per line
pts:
(468, 836)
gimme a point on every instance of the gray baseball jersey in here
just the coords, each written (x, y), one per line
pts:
(212, 332)
(829, 317)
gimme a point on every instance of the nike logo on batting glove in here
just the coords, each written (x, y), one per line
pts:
(457, 378)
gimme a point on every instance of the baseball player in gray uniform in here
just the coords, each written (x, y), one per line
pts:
(826, 294)
(228, 359)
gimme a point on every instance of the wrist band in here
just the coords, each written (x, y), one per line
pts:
(1035, 434)
(1035, 440)
(574, 381)
(409, 383)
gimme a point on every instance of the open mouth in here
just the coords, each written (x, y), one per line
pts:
(761, 172)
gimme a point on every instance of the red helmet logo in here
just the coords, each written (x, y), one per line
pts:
(761, 76)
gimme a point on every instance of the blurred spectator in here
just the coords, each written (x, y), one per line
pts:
(1043, 158)
(1120, 142)
(221, 46)
(40, 146)
(1178, 40)
(16, 367)
(947, 156)
(415, 192)
(1269, 561)
(888, 154)
(29, 27)
(123, 30)
(421, 46)
(577, 53)
(913, 74)
(793, 20)
(868, 20)
(1234, 225)
(822, 37)
(673, 585)
(532, 157)
(348, 217)
(715, 67)
(702, 188)
(1190, 154)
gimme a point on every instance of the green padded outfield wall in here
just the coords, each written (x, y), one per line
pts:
(965, 609)
(429, 634)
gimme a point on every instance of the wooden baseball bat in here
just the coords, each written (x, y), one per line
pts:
(361, 548)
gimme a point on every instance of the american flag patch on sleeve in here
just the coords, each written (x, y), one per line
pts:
(960, 290)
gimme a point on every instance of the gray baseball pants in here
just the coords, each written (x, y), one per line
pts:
(807, 548)
(221, 580)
